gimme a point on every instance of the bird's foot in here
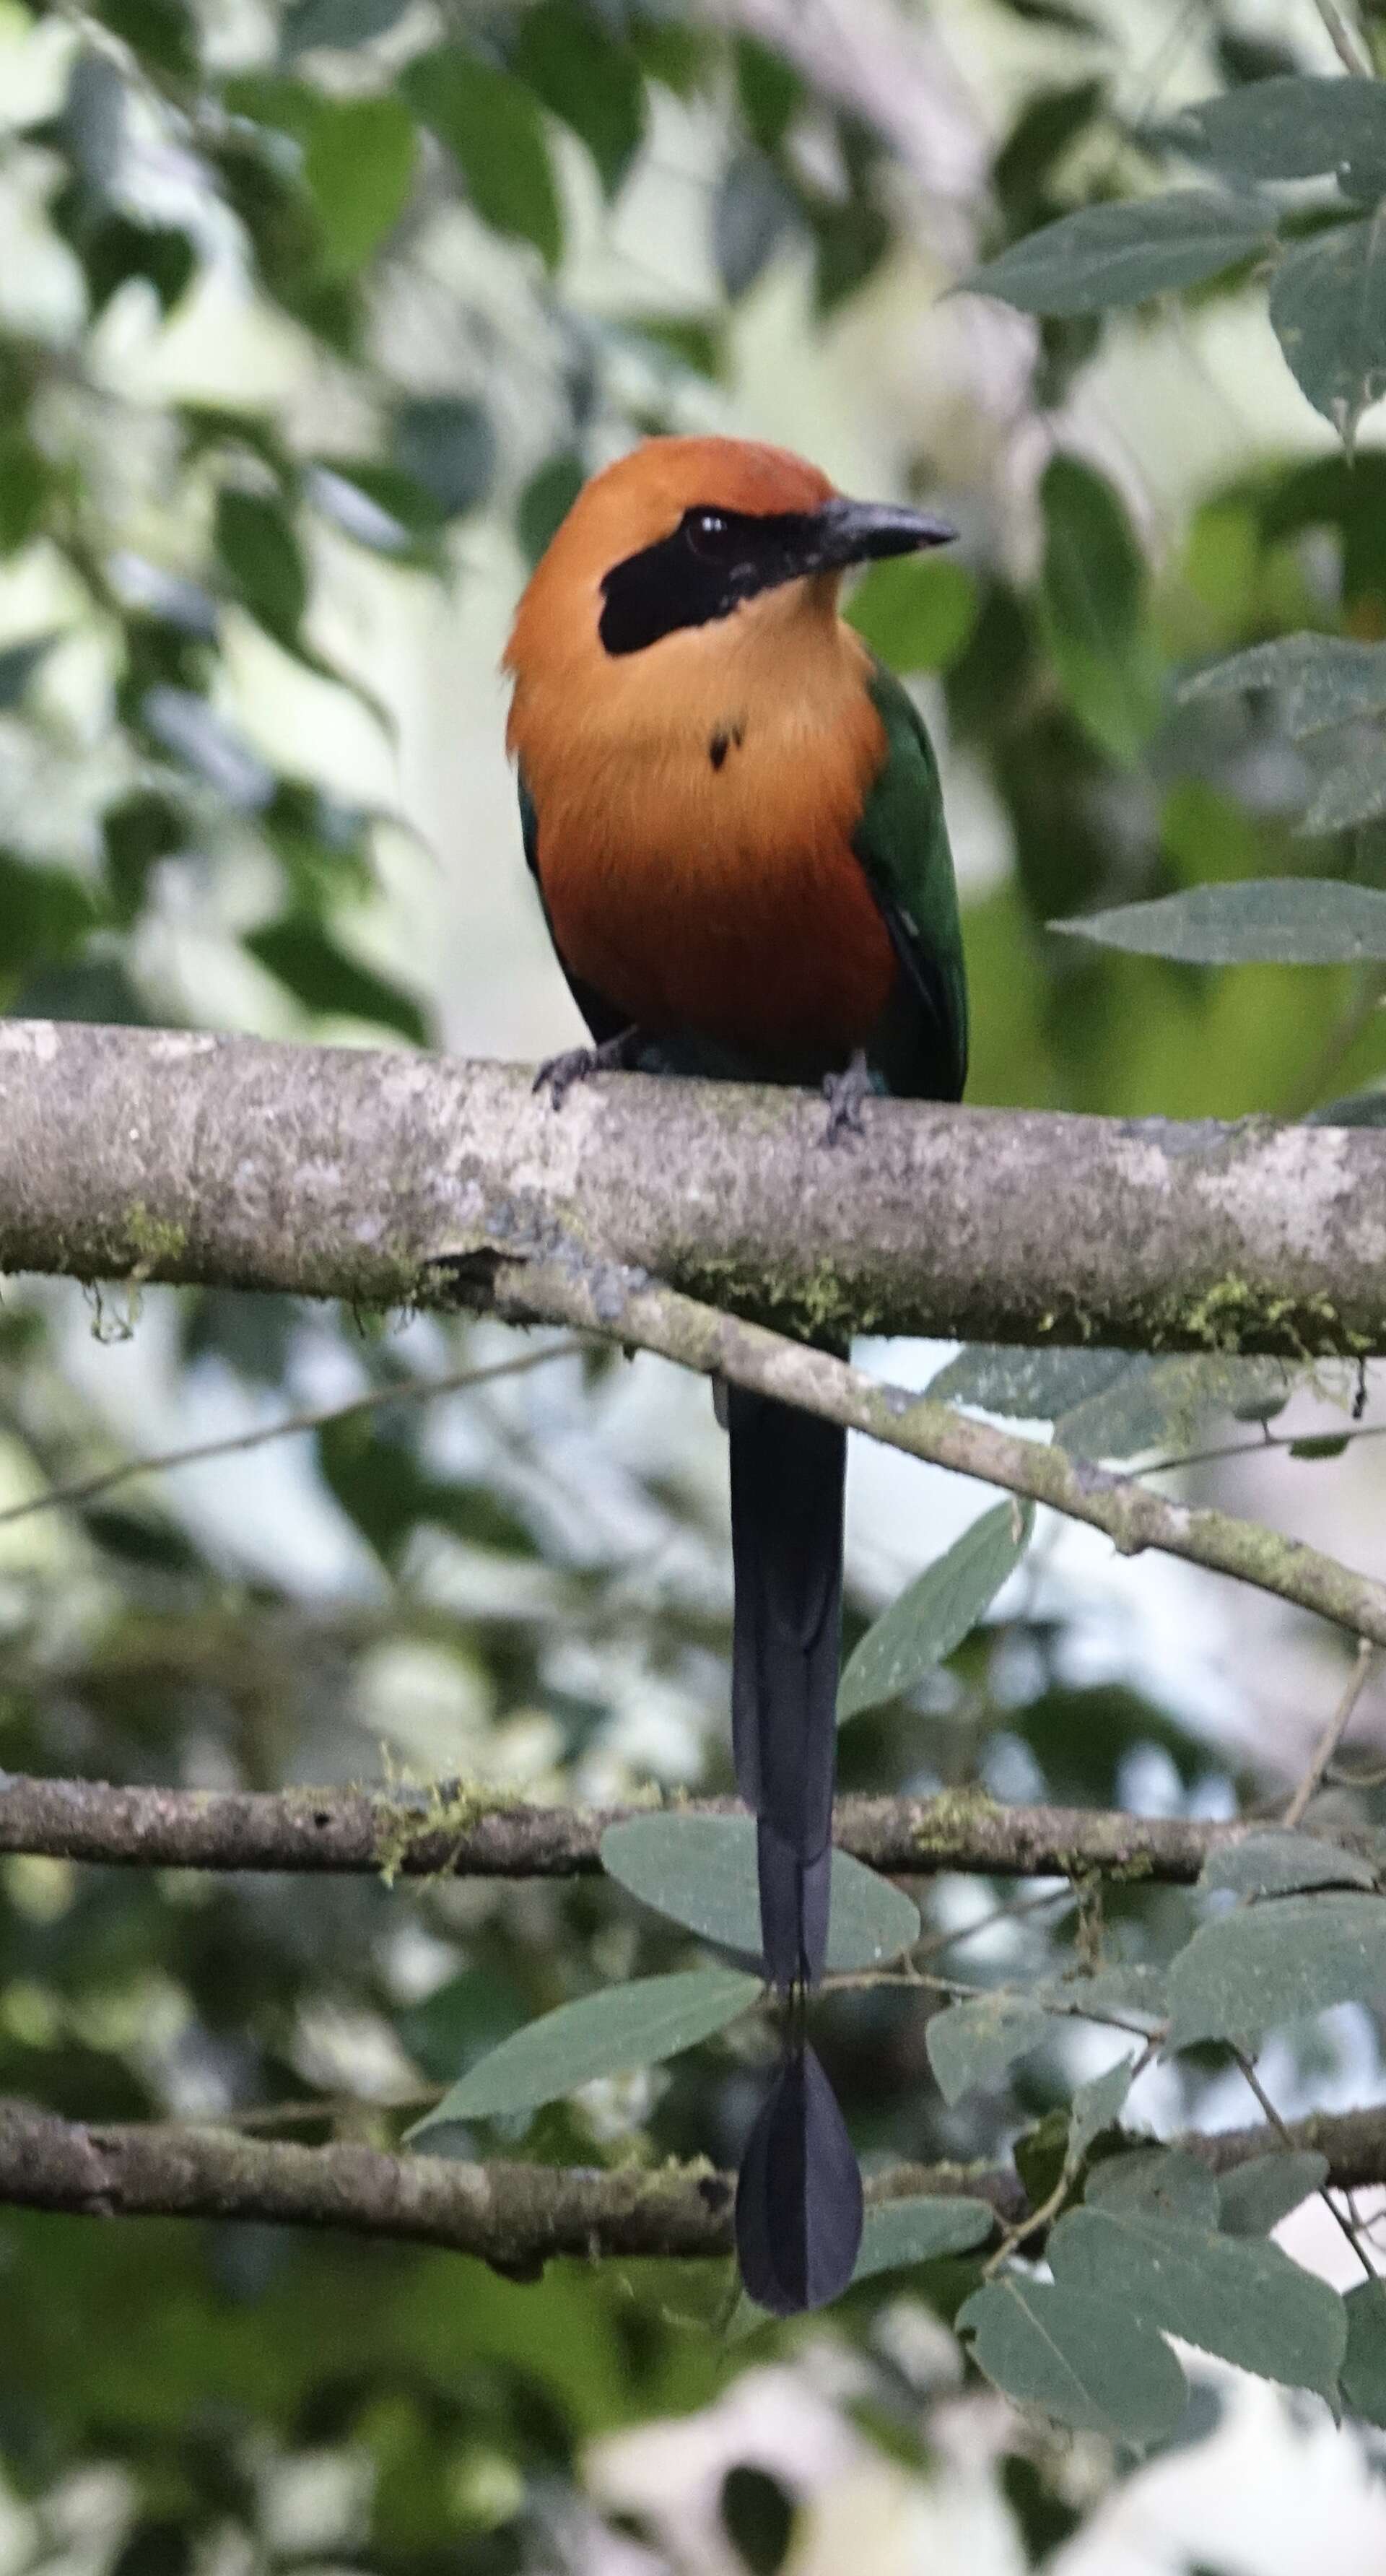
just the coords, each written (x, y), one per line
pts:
(844, 1094)
(558, 1073)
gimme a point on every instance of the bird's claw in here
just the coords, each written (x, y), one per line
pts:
(558, 1073)
(845, 1094)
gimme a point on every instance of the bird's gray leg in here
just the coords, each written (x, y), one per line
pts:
(844, 1094)
(558, 1073)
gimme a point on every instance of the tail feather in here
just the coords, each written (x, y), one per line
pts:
(787, 1474)
(798, 2194)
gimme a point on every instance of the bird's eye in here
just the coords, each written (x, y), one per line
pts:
(705, 524)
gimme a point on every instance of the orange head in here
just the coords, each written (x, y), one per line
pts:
(694, 538)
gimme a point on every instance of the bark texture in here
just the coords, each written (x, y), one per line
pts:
(343, 1172)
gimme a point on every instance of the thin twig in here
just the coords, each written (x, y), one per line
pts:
(1333, 1733)
(1286, 2135)
(1015, 1912)
(413, 1390)
(1257, 1448)
(1351, 53)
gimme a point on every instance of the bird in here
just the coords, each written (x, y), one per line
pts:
(733, 816)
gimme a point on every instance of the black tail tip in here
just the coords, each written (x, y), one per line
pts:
(798, 2195)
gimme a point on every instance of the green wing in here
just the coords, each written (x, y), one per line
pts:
(902, 843)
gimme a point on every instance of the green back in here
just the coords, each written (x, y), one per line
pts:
(902, 843)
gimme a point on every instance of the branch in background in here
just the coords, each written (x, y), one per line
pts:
(456, 1830)
(514, 2216)
(1348, 45)
(346, 1172)
(627, 1310)
(409, 1390)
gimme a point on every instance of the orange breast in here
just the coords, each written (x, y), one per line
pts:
(706, 884)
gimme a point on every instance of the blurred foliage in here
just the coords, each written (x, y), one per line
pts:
(526, 1590)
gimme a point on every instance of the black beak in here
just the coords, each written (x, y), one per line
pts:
(852, 532)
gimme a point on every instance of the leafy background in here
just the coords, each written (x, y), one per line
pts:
(310, 322)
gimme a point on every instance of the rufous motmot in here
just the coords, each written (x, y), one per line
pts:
(733, 815)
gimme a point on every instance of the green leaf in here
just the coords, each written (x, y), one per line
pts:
(336, 26)
(900, 2233)
(701, 1871)
(493, 129)
(1096, 2106)
(1254, 2197)
(544, 504)
(685, 340)
(1026, 1385)
(359, 169)
(769, 92)
(940, 1608)
(45, 914)
(974, 2043)
(587, 78)
(1323, 680)
(136, 832)
(1123, 254)
(1288, 128)
(24, 486)
(751, 212)
(1128, 1991)
(158, 32)
(1270, 1963)
(1165, 1402)
(1092, 600)
(118, 249)
(1276, 1864)
(1328, 1445)
(1364, 2370)
(1080, 2358)
(257, 544)
(1354, 791)
(604, 2034)
(915, 617)
(1046, 129)
(19, 662)
(448, 446)
(1167, 2184)
(307, 961)
(1235, 2296)
(1328, 309)
(1263, 921)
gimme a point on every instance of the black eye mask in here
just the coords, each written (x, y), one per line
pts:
(715, 559)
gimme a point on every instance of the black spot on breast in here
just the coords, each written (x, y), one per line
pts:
(718, 748)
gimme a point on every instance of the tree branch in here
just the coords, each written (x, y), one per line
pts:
(455, 1830)
(137, 1154)
(514, 2216)
(626, 1309)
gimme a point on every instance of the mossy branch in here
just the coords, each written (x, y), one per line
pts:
(514, 2216)
(460, 1829)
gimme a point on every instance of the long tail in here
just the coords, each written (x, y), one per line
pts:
(798, 2201)
(787, 1472)
(798, 2194)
